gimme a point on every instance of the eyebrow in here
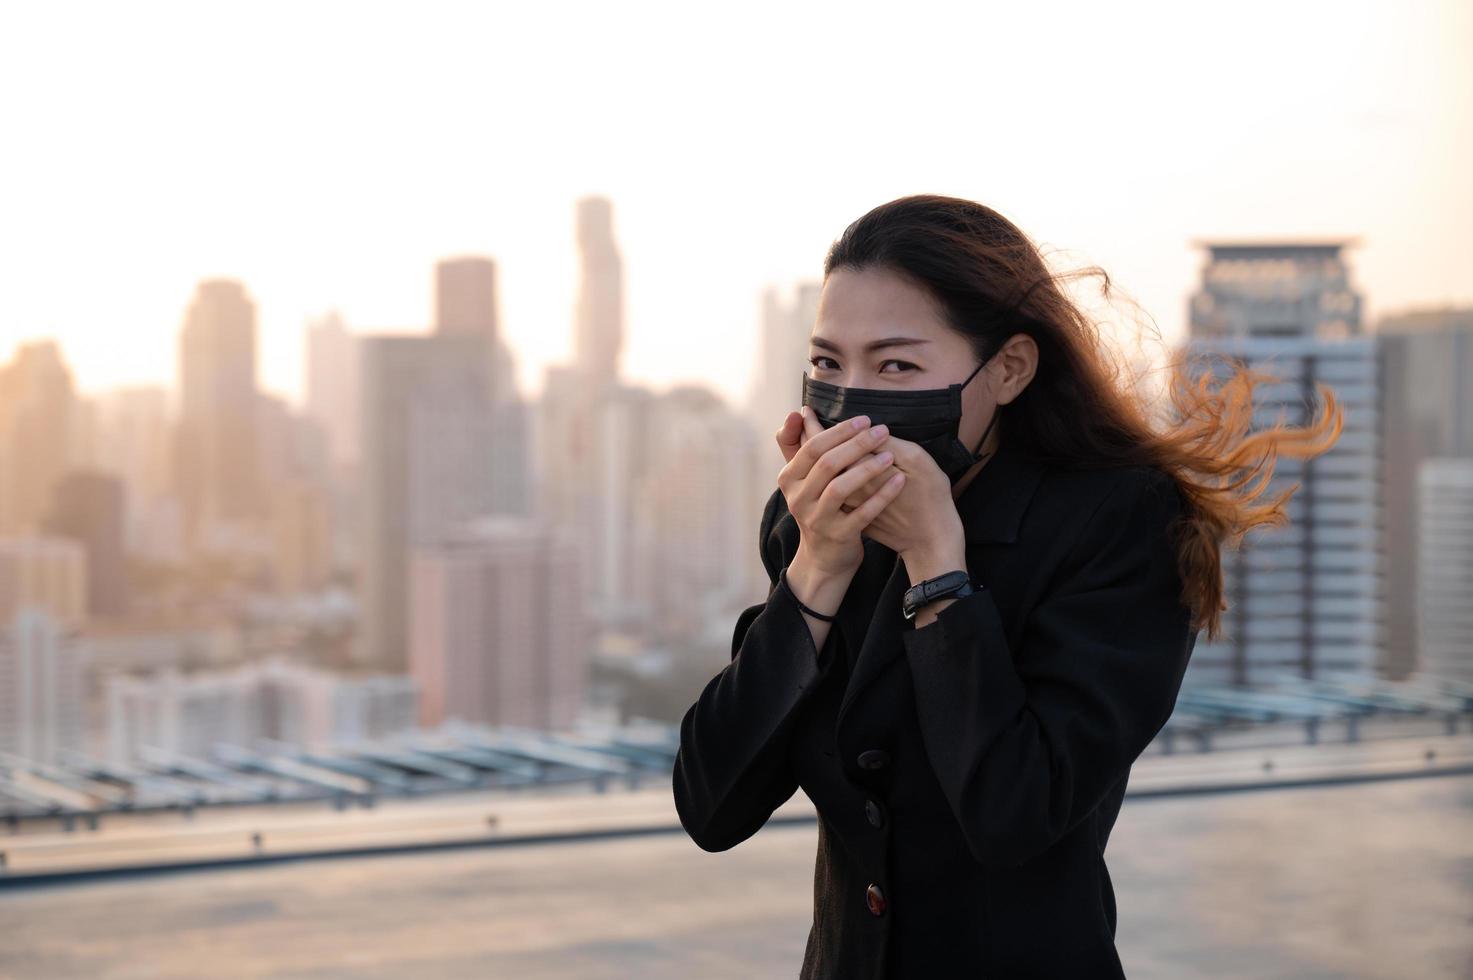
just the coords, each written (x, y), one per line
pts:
(872, 345)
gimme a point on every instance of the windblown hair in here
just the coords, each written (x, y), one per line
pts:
(991, 282)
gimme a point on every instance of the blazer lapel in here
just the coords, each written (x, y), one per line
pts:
(991, 509)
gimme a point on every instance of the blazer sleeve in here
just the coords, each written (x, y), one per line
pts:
(731, 767)
(1027, 742)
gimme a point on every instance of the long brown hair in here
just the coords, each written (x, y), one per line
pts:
(991, 282)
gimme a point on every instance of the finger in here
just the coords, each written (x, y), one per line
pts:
(811, 425)
(870, 487)
(846, 454)
(789, 435)
(866, 512)
(820, 440)
(846, 484)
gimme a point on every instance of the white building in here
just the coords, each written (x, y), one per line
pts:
(188, 714)
(42, 699)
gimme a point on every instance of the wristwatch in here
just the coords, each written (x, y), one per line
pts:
(951, 585)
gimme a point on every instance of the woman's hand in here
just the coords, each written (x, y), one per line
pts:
(922, 519)
(826, 467)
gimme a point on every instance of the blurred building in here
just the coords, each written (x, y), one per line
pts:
(782, 360)
(1444, 579)
(694, 552)
(45, 573)
(42, 700)
(426, 467)
(333, 372)
(1427, 363)
(89, 509)
(188, 714)
(37, 408)
(467, 305)
(776, 390)
(598, 330)
(216, 459)
(302, 532)
(498, 627)
(592, 429)
(1307, 598)
(134, 443)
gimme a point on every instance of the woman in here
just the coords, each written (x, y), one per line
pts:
(988, 572)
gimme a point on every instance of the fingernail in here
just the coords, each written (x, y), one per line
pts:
(859, 421)
(881, 429)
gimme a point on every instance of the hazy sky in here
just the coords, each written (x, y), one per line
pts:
(327, 154)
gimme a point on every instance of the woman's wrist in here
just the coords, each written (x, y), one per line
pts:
(817, 588)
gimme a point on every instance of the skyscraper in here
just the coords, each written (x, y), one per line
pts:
(89, 509)
(1444, 579)
(332, 384)
(216, 459)
(1307, 598)
(426, 466)
(42, 695)
(1427, 362)
(37, 402)
(467, 303)
(598, 333)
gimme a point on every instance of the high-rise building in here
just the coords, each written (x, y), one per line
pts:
(1307, 598)
(37, 405)
(1427, 363)
(42, 697)
(426, 466)
(216, 459)
(467, 303)
(332, 384)
(465, 296)
(776, 390)
(134, 444)
(598, 334)
(498, 631)
(1444, 579)
(1285, 289)
(695, 557)
(782, 360)
(88, 509)
(592, 428)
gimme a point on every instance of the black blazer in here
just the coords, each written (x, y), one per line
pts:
(966, 774)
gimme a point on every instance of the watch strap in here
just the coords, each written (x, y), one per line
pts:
(955, 584)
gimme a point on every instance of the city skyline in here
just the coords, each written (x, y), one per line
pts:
(321, 195)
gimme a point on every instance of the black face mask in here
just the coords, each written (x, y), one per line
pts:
(928, 416)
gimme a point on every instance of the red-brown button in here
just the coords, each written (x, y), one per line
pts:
(875, 899)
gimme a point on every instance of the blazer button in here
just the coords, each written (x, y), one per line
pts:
(874, 813)
(875, 899)
(874, 759)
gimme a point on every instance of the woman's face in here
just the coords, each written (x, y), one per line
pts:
(876, 330)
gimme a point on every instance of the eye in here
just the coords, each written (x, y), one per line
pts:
(814, 361)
